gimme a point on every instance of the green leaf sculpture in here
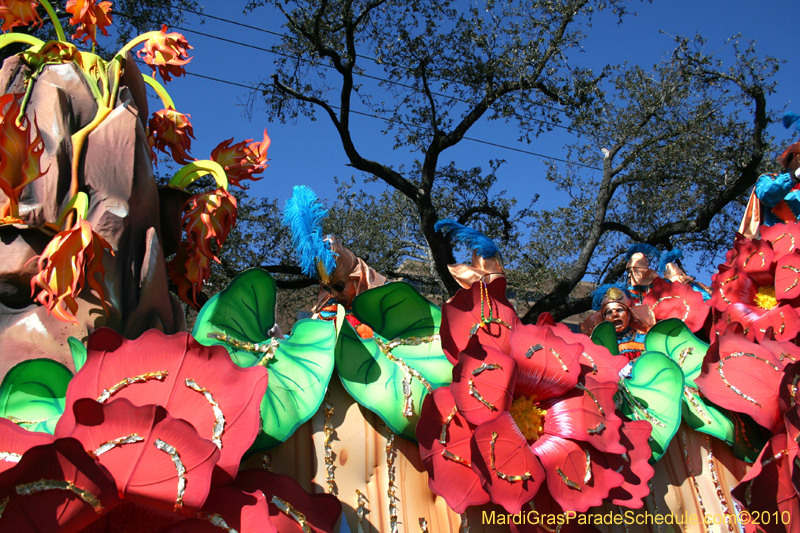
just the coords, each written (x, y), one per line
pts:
(78, 351)
(33, 394)
(653, 393)
(391, 373)
(605, 335)
(240, 319)
(674, 339)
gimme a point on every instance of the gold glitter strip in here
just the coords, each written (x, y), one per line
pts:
(787, 356)
(567, 481)
(10, 457)
(738, 425)
(447, 454)
(219, 417)
(423, 525)
(265, 348)
(558, 356)
(505, 477)
(479, 370)
(795, 379)
(477, 395)
(362, 510)
(712, 468)
(266, 462)
(110, 445)
(686, 305)
(408, 372)
(391, 454)
(693, 401)
(465, 527)
(176, 459)
(796, 279)
(21, 422)
(722, 286)
(781, 237)
(747, 259)
(588, 476)
(594, 365)
(292, 513)
(655, 502)
(736, 355)
(443, 436)
(624, 523)
(544, 526)
(597, 429)
(774, 458)
(639, 408)
(27, 489)
(695, 484)
(215, 520)
(780, 329)
(330, 455)
(478, 325)
(532, 350)
(684, 354)
(3, 505)
(107, 393)
(591, 395)
(411, 341)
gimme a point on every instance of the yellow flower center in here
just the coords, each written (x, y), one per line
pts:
(765, 297)
(528, 417)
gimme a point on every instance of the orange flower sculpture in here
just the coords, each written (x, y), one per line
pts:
(19, 154)
(89, 16)
(242, 160)
(167, 53)
(171, 132)
(188, 270)
(18, 13)
(71, 260)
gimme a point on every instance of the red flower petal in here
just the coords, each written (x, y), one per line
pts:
(755, 258)
(483, 382)
(742, 376)
(578, 475)
(15, 441)
(146, 471)
(547, 366)
(633, 465)
(449, 465)
(789, 388)
(787, 276)
(586, 415)
(230, 507)
(677, 300)
(595, 360)
(767, 487)
(196, 376)
(499, 450)
(731, 286)
(462, 313)
(34, 503)
(783, 320)
(547, 516)
(321, 511)
(785, 238)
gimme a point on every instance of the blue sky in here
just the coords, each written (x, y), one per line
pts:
(309, 152)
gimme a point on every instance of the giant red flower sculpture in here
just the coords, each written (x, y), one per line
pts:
(758, 286)
(539, 417)
(677, 300)
(171, 133)
(209, 218)
(242, 160)
(89, 16)
(167, 53)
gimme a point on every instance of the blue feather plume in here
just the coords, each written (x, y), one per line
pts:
(472, 239)
(303, 215)
(789, 119)
(650, 251)
(599, 292)
(669, 257)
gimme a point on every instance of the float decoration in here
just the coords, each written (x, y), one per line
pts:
(604, 335)
(242, 319)
(33, 394)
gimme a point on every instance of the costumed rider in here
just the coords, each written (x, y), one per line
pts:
(776, 197)
(672, 272)
(342, 276)
(640, 275)
(631, 322)
(487, 263)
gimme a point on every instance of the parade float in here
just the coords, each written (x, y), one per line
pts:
(383, 412)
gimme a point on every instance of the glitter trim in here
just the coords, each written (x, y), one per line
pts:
(736, 355)
(362, 510)
(267, 348)
(722, 286)
(219, 417)
(588, 476)
(479, 370)
(443, 436)
(453, 457)
(215, 520)
(3, 505)
(558, 356)
(292, 513)
(505, 477)
(695, 484)
(21, 422)
(683, 300)
(176, 459)
(465, 527)
(10, 457)
(796, 279)
(782, 236)
(423, 525)
(684, 354)
(330, 455)
(27, 489)
(408, 372)
(594, 365)
(391, 454)
(532, 350)
(750, 256)
(107, 393)
(655, 502)
(639, 409)
(597, 429)
(110, 445)
(591, 395)
(477, 395)
(567, 481)
(687, 392)
(712, 468)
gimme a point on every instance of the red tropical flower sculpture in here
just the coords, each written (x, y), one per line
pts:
(758, 287)
(677, 300)
(19, 13)
(89, 16)
(540, 418)
(21, 149)
(209, 218)
(70, 261)
(188, 270)
(242, 160)
(171, 132)
(167, 53)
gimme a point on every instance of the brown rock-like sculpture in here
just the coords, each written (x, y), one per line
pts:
(117, 175)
